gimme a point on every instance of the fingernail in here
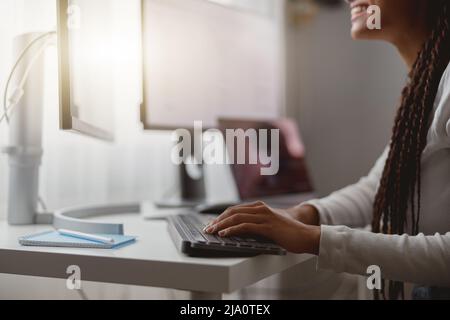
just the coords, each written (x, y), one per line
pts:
(210, 229)
(222, 233)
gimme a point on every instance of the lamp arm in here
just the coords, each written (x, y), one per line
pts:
(19, 93)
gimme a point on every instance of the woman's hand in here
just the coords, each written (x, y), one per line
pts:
(306, 214)
(258, 219)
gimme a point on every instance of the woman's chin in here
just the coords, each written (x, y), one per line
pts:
(356, 35)
(360, 31)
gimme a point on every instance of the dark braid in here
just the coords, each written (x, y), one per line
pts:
(400, 185)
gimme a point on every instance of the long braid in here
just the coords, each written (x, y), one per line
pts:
(400, 185)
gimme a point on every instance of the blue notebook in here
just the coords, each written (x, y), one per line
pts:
(54, 239)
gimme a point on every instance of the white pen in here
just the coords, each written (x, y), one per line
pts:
(85, 236)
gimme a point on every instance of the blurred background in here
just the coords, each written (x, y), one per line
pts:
(342, 93)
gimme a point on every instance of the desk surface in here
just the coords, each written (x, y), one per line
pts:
(152, 261)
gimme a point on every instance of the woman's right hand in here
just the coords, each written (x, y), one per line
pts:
(306, 214)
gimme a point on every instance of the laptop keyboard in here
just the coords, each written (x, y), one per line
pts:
(193, 227)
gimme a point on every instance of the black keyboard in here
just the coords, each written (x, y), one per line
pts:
(186, 231)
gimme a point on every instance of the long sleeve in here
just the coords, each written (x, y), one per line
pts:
(417, 259)
(353, 205)
(422, 259)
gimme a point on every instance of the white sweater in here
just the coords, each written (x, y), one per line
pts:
(422, 259)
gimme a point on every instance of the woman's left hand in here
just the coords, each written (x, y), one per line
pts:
(258, 219)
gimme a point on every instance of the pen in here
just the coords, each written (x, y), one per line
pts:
(85, 236)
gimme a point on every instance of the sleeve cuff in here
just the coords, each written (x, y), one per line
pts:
(333, 248)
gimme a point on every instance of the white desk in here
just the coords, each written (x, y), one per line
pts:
(152, 261)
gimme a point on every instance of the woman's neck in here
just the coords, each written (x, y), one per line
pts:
(415, 33)
(410, 48)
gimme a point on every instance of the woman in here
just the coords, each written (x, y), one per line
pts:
(406, 196)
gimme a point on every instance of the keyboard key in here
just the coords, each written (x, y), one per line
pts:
(196, 236)
(229, 242)
(212, 239)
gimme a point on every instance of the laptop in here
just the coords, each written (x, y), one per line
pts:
(292, 178)
(289, 187)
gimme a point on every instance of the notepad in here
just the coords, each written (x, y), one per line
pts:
(54, 239)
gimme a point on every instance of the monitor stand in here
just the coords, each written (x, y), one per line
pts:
(191, 172)
(25, 150)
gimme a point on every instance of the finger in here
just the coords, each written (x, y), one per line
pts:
(251, 204)
(250, 229)
(234, 221)
(236, 210)
(229, 213)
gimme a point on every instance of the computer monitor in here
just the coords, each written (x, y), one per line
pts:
(86, 60)
(203, 61)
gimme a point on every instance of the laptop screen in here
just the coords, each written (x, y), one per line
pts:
(292, 176)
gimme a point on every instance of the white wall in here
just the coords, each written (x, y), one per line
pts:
(344, 94)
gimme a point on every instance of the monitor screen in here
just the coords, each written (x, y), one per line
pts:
(203, 61)
(86, 66)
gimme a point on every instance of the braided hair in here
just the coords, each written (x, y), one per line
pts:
(397, 203)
